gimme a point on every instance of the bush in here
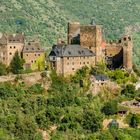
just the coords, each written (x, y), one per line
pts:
(3, 69)
(129, 91)
(110, 108)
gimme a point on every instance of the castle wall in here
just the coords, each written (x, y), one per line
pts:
(30, 58)
(11, 49)
(88, 37)
(72, 31)
(99, 40)
(3, 54)
(69, 65)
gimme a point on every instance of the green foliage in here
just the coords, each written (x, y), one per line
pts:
(119, 76)
(36, 89)
(134, 121)
(92, 121)
(16, 64)
(99, 69)
(3, 69)
(129, 91)
(110, 108)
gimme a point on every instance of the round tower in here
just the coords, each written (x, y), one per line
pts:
(127, 52)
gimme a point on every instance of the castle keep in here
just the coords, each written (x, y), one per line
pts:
(86, 47)
(30, 51)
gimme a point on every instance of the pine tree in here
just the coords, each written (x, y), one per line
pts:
(16, 64)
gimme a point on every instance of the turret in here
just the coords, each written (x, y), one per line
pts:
(127, 52)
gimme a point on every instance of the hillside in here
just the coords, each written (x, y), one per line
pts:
(48, 18)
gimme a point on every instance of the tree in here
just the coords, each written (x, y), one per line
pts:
(3, 70)
(129, 90)
(134, 121)
(110, 108)
(16, 64)
(92, 121)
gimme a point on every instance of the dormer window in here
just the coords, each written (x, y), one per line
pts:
(69, 53)
(124, 39)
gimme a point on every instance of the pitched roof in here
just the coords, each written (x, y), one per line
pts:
(3, 39)
(15, 38)
(32, 47)
(11, 38)
(101, 77)
(70, 51)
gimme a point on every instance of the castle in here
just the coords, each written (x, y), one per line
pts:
(30, 51)
(86, 47)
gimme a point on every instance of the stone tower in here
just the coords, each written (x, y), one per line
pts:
(127, 52)
(91, 38)
(73, 32)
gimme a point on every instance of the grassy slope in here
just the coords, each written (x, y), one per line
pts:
(48, 18)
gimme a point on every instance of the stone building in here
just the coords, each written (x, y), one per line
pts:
(66, 59)
(9, 44)
(29, 51)
(116, 54)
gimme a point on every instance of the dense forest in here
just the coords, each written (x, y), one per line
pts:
(66, 111)
(48, 19)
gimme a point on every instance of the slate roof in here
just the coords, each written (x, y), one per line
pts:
(70, 51)
(11, 38)
(3, 39)
(15, 38)
(101, 77)
(31, 47)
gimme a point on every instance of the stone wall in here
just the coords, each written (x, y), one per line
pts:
(69, 65)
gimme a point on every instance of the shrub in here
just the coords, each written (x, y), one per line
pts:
(110, 108)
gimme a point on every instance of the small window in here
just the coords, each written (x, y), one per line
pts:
(68, 58)
(32, 48)
(10, 47)
(3, 58)
(27, 49)
(124, 39)
(38, 54)
(10, 53)
(87, 62)
(38, 48)
(14, 47)
(35, 54)
(32, 61)
(73, 69)
(35, 61)
(26, 54)
(72, 63)
(83, 62)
